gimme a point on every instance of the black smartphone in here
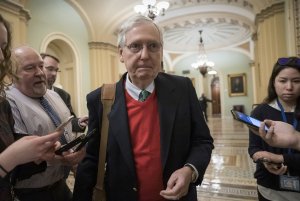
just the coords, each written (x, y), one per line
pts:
(70, 145)
(246, 119)
(85, 140)
(64, 123)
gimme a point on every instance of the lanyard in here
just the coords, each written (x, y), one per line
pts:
(295, 122)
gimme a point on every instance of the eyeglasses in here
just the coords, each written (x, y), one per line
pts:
(51, 69)
(137, 47)
(290, 61)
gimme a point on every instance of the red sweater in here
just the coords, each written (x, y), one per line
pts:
(145, 140)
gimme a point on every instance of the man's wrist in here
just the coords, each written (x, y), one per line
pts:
(195, 174)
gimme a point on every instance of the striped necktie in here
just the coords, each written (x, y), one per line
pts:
(144, 95)
(53, 116)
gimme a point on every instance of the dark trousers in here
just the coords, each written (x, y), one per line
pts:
(56, 192)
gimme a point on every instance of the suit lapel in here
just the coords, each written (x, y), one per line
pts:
(167, 104)
(120, 130)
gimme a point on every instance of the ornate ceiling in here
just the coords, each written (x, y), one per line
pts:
(217, 32)
(224, 22)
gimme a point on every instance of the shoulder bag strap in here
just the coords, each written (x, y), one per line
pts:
(107, 98)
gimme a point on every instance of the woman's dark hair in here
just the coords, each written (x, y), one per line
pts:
(6, 64)
(290, 62)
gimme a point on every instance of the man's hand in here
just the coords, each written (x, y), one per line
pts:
(178, 184)
(83, 121)
(280, 134)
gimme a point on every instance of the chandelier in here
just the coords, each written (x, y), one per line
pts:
(203, 64)
(152, 9)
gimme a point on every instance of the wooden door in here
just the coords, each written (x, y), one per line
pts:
(215, 96)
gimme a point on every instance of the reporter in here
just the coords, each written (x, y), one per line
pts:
(26, 149)
(280, 134)
(282, 103)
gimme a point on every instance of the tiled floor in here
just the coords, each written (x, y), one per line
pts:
(229, 176)
(230, 173)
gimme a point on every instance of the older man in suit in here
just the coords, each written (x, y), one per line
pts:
(158, 146)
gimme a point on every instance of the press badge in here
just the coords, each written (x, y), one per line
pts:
(289, 183)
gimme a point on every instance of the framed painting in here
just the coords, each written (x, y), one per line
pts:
(237, 84)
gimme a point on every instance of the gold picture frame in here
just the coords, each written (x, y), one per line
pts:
(237, 84)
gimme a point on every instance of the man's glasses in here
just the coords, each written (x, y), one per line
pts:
(51, 69)
(289, 61)
(137, 47)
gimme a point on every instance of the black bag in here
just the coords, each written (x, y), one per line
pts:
(26, 170)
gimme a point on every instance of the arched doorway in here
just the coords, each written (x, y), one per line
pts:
(215, 96)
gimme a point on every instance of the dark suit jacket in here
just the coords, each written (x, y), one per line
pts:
(67, 99)
(185, 138)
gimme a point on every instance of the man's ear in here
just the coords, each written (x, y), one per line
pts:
(121, 54)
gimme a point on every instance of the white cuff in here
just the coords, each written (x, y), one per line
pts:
(195, 174)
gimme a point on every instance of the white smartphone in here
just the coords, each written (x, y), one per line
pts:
(64, 123)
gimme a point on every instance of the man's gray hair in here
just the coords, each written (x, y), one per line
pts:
(133, 22)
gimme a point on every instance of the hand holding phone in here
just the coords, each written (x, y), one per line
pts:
(268, 162)
(70, 145)
(64, 123)
(80, 141)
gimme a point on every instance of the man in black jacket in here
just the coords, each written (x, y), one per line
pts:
(159, 145)
(51, 68)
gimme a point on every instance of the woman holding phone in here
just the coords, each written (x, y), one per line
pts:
(278, 169)
(27, 149)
